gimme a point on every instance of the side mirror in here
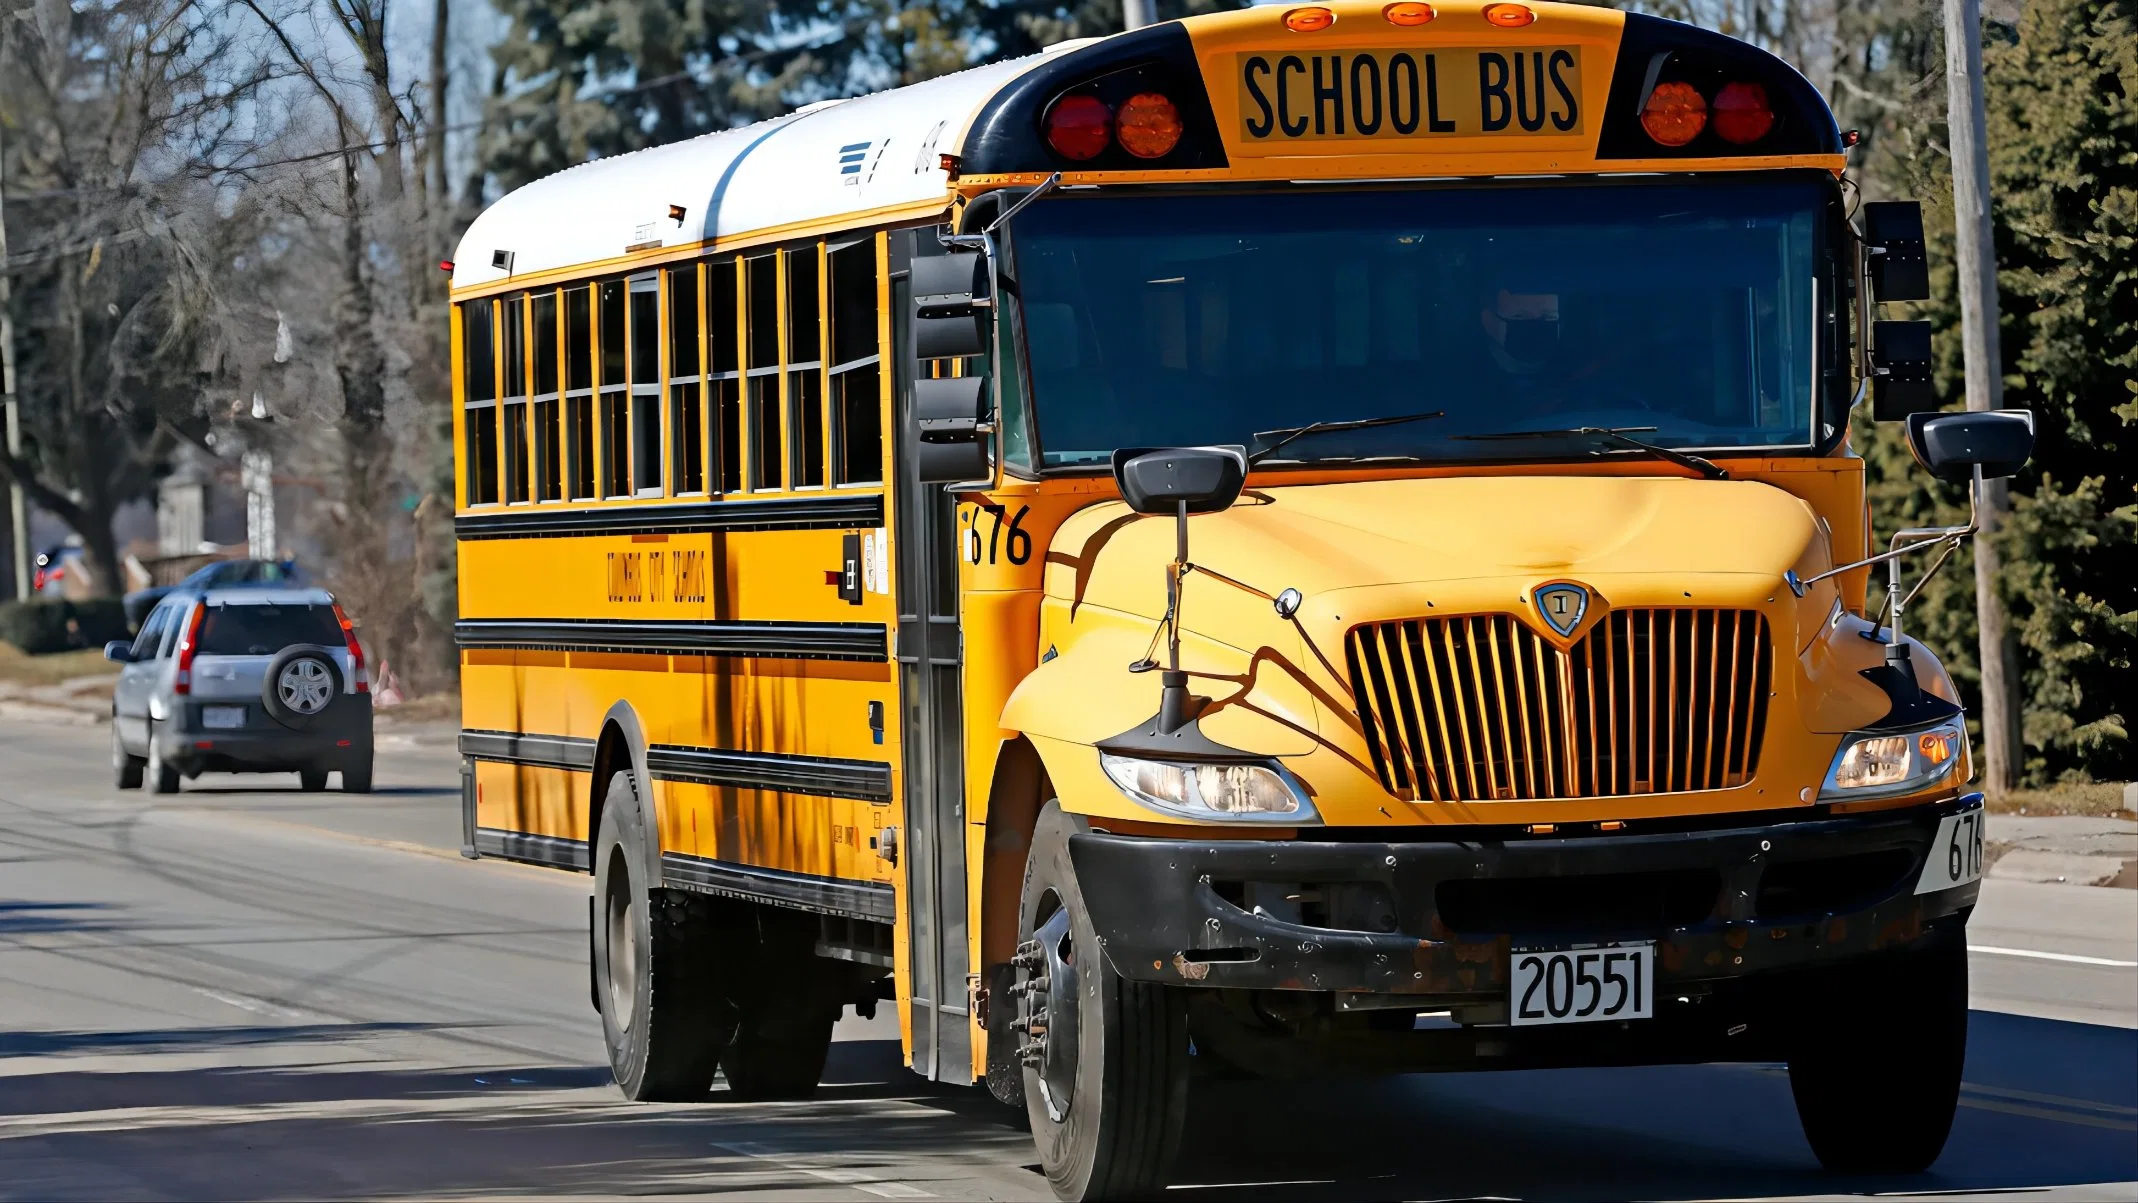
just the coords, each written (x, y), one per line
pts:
(119, 651)
(1160, 481)
(1899, 261)
(1952, 446)
(1900, 370)
(951, 413)
(950, 304)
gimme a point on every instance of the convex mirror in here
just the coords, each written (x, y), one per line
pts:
(1160, 480)
(1952, 445)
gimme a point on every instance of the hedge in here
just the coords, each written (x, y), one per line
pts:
(56, 624)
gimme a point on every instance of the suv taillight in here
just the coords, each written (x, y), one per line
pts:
(182, 680)
(356, 651)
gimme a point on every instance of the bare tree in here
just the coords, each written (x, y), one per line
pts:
(116, 242)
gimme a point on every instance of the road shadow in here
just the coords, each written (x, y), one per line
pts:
(354, 1131)
(2047, 1103)
(27, 918)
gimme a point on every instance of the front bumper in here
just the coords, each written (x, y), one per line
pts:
(1437, 919)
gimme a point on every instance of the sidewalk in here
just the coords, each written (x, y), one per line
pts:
(2064, 849)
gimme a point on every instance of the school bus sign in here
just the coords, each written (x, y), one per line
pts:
(1391, 95)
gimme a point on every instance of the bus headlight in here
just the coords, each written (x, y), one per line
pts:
(1882, 765)
(1227, 793)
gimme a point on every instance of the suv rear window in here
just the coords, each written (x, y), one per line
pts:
(262, 630)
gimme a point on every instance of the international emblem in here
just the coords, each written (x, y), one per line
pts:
(1562, 605)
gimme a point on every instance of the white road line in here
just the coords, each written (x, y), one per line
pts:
(2068, 957)
(258, 1006)
(860, 1180)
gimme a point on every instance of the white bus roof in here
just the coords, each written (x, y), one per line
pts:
(880, 152)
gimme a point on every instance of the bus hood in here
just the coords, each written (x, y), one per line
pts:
(1401, 551)
(1451, 545)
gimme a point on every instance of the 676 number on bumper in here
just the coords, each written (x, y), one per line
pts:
(1582, 985)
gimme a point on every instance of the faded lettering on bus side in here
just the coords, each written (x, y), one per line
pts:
(1384, 94)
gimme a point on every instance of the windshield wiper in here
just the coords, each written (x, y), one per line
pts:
(1619, 435)
(1287, 434)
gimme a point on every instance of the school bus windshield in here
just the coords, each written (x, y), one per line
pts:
(1687, 309)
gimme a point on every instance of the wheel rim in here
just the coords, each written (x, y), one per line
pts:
(304, 686)
(1047, 1006)
(622, 944)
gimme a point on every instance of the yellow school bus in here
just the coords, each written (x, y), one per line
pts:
(1291, 541)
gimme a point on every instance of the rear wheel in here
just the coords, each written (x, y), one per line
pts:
(356, 774)
(162, 774)
(126, 768)
(312, 780)
(1877, 1081)
(786, 1006)
(656, 965)
(1105, 1059)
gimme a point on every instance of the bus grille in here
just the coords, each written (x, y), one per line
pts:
(1482, 708)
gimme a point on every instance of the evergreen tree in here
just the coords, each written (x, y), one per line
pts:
(2063, 139)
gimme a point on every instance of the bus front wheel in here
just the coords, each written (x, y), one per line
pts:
(656, 963)
(1876, 1071)
(1105, 1060)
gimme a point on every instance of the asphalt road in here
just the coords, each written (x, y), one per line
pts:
(248, 992)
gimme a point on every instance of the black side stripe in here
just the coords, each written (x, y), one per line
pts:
(801, 891)
(538, 751)
(820, 776)
(829, 512)
(681, 637)
(549, 851)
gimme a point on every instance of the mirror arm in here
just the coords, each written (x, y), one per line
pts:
(1946, 538)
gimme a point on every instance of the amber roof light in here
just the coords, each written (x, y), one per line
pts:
(1509, 16)
(1675, 113)
(1148, 126)
(1407, 13)
(1309, 20)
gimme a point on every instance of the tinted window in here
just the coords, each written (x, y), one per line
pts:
(151, 636)
(1685, 311)
(257, 630)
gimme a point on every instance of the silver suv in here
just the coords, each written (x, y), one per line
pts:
(242, 681)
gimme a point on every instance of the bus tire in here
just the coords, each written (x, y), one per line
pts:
(655, 965)
(1126, 1074)
(786, 1007)
(1877, 1083)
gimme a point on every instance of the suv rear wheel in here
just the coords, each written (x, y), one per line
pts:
(356, 772)
(126, 768)
(162, 774)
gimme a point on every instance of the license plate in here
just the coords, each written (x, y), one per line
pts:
(1955, 855)
(1582, 985)
(1398, 96)
(222, 718)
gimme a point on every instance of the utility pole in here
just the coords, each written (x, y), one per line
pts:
(1135, 14)
(1976, 280)
(18, 512)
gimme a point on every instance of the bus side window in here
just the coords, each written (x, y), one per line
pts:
(723, 337)
(543, 316)
(479, 371)
(761, 371)
(686, 421)
(856, 365)
(646, 385)
(579, 392)
(615, 432)
(512, 334)
(805, 367)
